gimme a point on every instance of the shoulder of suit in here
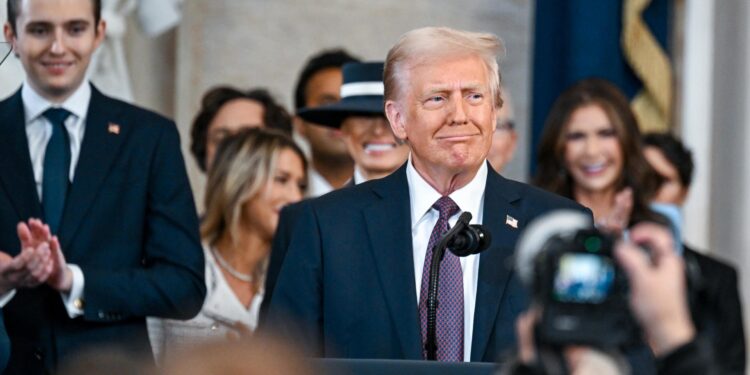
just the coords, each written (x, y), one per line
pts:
(540, 197)
(361, 195)
(710, 265)
(130, 112)
(348, 195)
(13, 98)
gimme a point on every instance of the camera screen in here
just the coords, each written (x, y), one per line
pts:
(583, 278)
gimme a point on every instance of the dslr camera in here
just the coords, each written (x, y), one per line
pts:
(570, 268)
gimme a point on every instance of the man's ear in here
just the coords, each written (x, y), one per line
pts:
(10, 36)
(101, 31)
(396, 117)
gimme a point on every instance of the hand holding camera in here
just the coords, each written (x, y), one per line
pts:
(594, 293)
(657, 287)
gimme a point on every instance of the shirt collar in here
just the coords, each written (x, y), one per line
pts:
(34, 104)
(423, 196)
(358, 176)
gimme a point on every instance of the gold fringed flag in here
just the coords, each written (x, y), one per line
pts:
(653, 104)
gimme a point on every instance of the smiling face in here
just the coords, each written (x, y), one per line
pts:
(54, 41)
(593, 155)
(446, 114)
(286, 186)
(372, 145)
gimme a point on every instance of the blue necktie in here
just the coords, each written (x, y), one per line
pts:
(55, 180)
(450, 311)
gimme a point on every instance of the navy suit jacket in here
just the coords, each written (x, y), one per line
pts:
(346, 285)
(717, 309)
(129, 223)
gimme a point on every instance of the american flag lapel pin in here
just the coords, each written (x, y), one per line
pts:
(511, 221)
(113, 128)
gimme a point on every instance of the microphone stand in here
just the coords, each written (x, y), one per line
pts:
(432, 291)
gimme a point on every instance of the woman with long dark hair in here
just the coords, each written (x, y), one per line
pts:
(591, 152)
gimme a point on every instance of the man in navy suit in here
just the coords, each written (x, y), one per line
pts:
(352, 284)
(98, 189)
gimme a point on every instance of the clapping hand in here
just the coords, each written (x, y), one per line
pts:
(33, 265)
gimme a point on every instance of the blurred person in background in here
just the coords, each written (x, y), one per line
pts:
(107, 361)
(225, 111)
(716, 305)
(319, 83)
(505, 138)
(361, 118)
(591, 151)
(257, 355)
(255, 174)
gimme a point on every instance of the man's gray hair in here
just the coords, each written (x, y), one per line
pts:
(430, 43)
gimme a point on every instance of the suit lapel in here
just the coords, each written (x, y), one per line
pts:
(392, 251)
(98, 150)
(16, 171)
(495, 263)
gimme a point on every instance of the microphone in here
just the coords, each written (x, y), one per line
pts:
(468, 239)
(462, 240)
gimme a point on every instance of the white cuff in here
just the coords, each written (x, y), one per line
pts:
(5, 298)
(73, 301)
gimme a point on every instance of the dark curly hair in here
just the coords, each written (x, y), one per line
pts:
(637, 174)
(675, 152)
(274, 115)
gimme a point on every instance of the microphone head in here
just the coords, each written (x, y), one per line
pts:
(472, 239)
(540, 231)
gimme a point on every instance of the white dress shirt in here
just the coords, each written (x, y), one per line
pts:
(358, 177)
(38, 133)
(423, 218)
(318, 185)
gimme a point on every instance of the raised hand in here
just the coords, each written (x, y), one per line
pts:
(657, 287)
(33, 265)
(60, 278)
(618, 219)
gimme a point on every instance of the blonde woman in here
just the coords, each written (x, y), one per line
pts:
(255, 174)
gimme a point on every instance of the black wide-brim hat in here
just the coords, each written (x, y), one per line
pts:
(361, 95)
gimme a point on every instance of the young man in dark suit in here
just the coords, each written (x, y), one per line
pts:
(97, 183)
(352, 285)
(715, 304)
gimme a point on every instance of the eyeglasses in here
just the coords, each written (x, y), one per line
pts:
(5, 50)
(505, 125)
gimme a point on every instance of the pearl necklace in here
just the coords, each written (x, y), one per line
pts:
(248, 278)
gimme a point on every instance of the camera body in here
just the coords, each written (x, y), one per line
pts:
(582, 291)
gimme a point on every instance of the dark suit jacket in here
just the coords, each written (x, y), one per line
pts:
(281, 239)
(129, 223)
(346, 287)
(717, 310)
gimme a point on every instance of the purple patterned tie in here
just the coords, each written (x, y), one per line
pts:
(450, 312)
